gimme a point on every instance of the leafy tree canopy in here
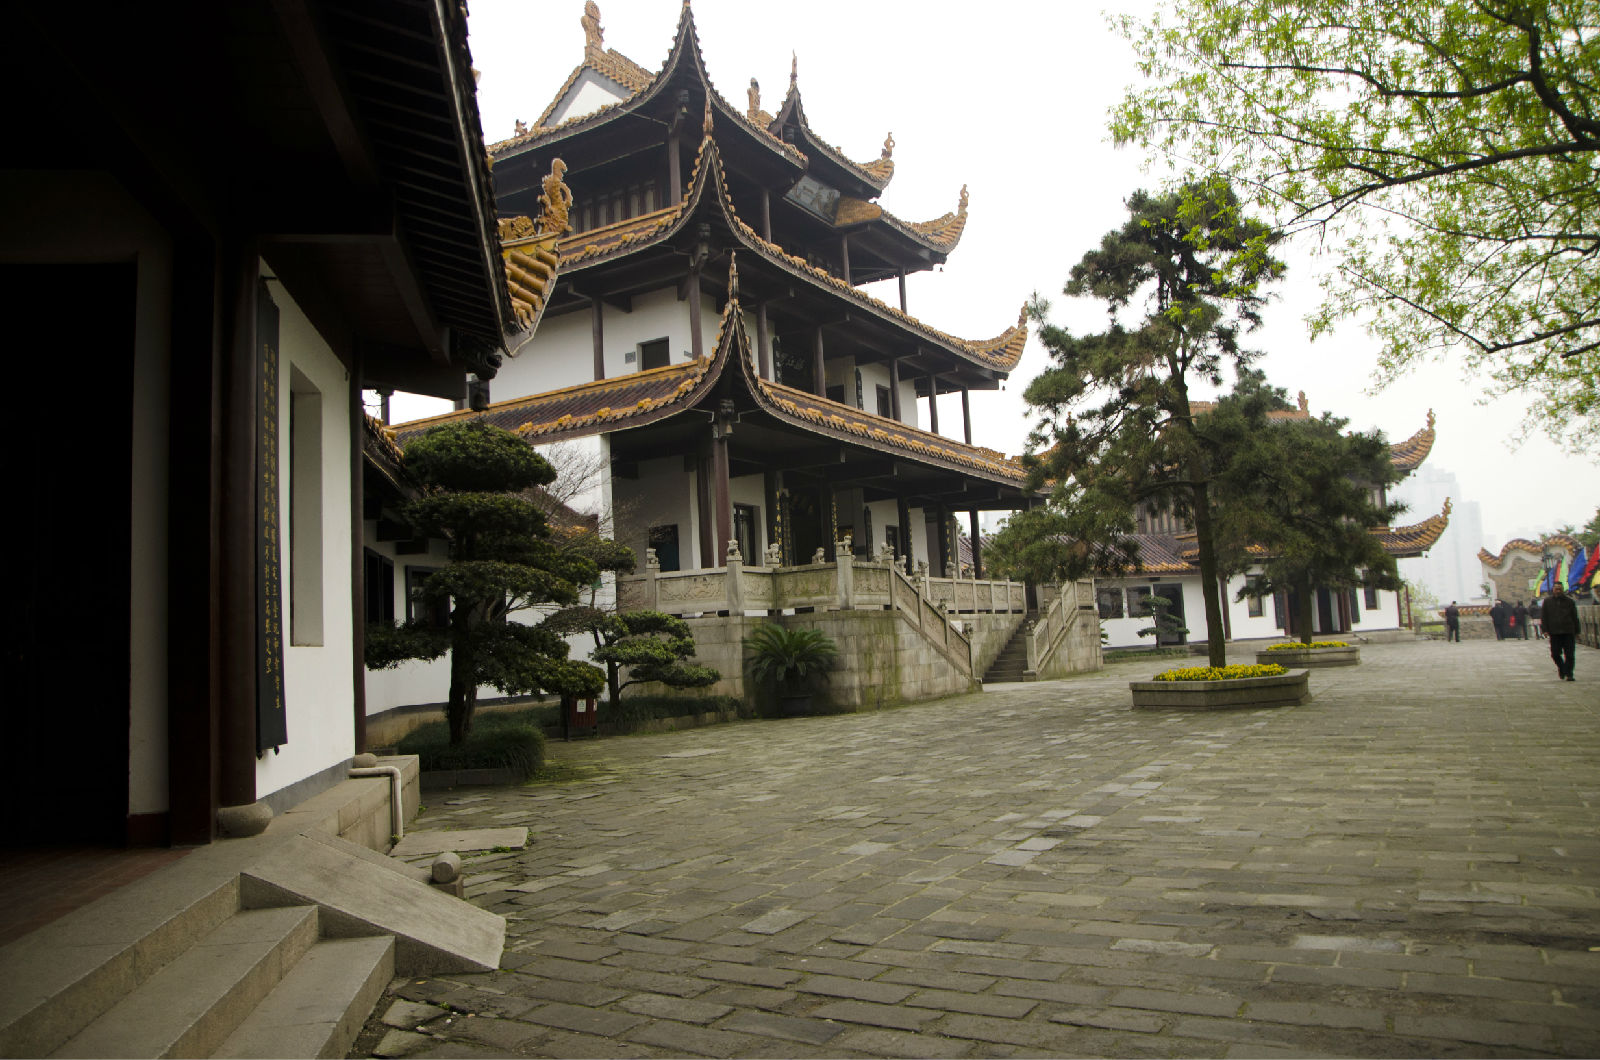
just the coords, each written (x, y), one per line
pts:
(652, 645)
(1444, 150)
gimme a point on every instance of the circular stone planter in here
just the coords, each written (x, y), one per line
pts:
(1292, 657)
(1280, 691)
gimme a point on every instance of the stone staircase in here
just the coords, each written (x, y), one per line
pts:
(1012, 662)
(278, 946)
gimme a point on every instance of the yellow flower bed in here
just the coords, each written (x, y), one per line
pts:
(1221, 673)
(1295, 645)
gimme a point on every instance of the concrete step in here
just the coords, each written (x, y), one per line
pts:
(54, 982)
(320, 1006)
(191, 1005)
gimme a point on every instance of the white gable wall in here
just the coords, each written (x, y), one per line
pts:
(588, 94)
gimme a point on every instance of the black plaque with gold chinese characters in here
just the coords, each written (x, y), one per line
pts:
(272, 728)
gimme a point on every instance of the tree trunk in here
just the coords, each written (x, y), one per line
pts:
(1306, 606)
(1216, 638)
(463, 692)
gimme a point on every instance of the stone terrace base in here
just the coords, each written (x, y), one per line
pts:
(1311, 657)
(1284, 690)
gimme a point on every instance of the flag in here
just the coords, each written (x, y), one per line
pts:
(1575, 572)
(1592, 568)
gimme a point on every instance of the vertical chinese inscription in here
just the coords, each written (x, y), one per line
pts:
(271, 723)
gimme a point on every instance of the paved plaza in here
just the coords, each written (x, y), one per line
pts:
(1407, 865)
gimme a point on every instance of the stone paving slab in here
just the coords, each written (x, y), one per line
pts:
(1406, 865)
(439, 841)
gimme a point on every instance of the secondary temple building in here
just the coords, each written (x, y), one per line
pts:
(708, 346)
(1169, 567)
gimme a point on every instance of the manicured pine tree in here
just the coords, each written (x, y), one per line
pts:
(502, 561)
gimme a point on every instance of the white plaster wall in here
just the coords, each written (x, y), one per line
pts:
(588, 94)
(751, 490)
(318, 679)
(1245, 627)
(884, 514)
(662, 495)
(81, 217)
(1385, 616)
(562, 352)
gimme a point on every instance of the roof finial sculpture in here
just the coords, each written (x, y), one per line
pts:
(705, 125)
(1447, 507)
(733, 276)
(593, 32)
(755, 99)
(794, 70)
(888, 146)
(1430, 419)
(962, 209)
(555, 202)
(1303, 406)
(521, 127)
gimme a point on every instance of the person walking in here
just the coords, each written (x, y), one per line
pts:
(1519, 619)
(1536, 619)
(1560, 614)
(1498, 615)
(1452, 623)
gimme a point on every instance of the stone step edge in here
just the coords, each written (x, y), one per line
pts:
(192, 1004)
(321, 1004)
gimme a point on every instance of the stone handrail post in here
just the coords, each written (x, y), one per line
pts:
(733, 580)
(844, 553)
(652, 567)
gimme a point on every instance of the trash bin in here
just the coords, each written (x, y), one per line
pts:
(581, 715)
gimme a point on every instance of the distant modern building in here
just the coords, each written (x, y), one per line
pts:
(1450, 570)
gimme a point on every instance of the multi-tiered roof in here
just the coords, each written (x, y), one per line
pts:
(732, 178)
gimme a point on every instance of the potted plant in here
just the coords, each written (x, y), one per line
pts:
(1220, 687)
(790, 659)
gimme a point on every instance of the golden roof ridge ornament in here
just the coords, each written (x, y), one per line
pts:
(593, 33)
(1304, 407)
(755, 100)
(555, 202)
(794, 71)
(1430, 419)
(888, 145)
(705, 125)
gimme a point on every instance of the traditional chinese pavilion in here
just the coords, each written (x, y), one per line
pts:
(810, 428)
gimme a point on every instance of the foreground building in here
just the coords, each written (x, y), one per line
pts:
(1169, 567)
(238, 234)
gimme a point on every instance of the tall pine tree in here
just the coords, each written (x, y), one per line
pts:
(1182, 281)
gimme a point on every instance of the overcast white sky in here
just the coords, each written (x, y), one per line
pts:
(1011, 100)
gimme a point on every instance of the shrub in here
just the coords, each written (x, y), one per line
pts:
(635, 711)
(1295, 645)
(507, 741)
(1221, 673)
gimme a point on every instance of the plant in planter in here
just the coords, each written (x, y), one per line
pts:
(1317, 653)
(1221, 687)
(791, 660)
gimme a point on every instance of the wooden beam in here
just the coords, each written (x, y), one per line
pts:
(819, 383)
(597, 337)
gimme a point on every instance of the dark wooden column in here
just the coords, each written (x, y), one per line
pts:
(766, 215)
(696, 341)
(977, 546)
(674, 173)
(771, 486)
(721, 429)
(894, 388)
(242, 414)
(702, 496)
(933, 404)
(818, 369)
(844, 258)
(903, 513)
(194, 602)
(597, 336)
(903, 308)
(966, 414)
(358, 556)
(763, 342)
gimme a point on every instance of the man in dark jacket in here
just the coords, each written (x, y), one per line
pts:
(1519, 617)
(1452, 623)
(1498, 615)
(1560, 615)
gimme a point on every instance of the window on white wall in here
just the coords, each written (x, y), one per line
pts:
(1109, 602)
(1253, 601)
(657, 353)
(305, 510)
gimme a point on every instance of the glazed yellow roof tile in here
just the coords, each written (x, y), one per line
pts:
(1416, 538)
(943, 232)
(1409, 454)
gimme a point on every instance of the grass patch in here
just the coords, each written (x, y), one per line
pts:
(635, 711)
(497, 741)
